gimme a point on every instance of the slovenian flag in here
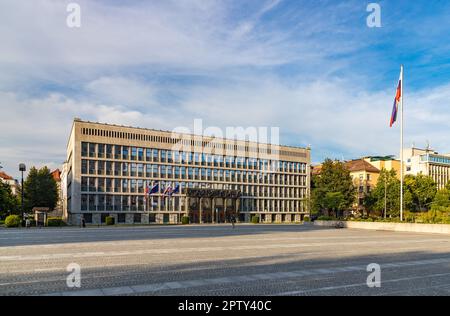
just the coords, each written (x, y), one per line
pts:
(398, 97)
(168, 191)
(154, 189)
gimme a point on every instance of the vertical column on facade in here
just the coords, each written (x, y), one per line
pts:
(236, 208)
(186, 205)
(200, 211)
(213, 210)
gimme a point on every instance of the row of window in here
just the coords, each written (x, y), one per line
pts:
(121, 218)
(186, 141)
(124, 169)
(125, 203)
(167, 156)
(90, 184)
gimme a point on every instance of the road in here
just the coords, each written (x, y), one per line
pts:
(218, 260)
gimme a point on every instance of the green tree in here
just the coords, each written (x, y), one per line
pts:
(333, 188)
(387, 185)
(8, 202)
(40, 189)
(422, 190)
(447, 186)
(334, 202)
(441, 201)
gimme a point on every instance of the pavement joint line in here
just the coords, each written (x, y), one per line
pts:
(330, 288)
(154, 287)
(172, 250)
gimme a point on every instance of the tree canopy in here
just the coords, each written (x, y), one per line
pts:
(422, 190)
(333, 188)
(40, 189)
(8, 202)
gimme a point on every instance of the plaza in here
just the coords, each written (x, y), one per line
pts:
(218, 260)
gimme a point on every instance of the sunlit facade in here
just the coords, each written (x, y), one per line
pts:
(109, 167)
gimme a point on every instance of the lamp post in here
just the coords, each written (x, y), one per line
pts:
(22, 168)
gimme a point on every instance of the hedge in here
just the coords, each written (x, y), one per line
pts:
(185, 220)
(109, 220)
(326, 218)
(55, 222)
(255, 219)
(12, 221)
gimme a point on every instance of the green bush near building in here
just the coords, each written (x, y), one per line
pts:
(185, 220)
(255, 219)
(12, 221)
(55, 222)
(326, 218)
(306, 219)
(109, 220)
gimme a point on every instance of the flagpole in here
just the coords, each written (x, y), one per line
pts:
(401, 144)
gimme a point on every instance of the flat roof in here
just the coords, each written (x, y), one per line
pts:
(166, 131)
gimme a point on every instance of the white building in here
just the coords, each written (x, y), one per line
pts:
(11, 181)
(429, 163)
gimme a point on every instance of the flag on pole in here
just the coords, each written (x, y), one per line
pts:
(154, 189)
(397, 100)
(168, 191)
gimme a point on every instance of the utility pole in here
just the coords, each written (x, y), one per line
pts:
(385, 195)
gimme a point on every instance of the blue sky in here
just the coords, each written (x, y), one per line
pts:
(312, 68)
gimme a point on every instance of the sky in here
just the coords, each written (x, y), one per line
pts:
(312, 68)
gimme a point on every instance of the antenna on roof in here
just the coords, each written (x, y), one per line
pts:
(428, 145)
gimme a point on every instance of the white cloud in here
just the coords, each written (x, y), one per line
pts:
(317, 113)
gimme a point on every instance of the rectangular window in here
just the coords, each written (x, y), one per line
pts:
(125, 152)
(84, 166)
(84, 149)
(101, 151)
(91, 150)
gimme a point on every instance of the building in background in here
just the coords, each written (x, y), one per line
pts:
(365, 177)
(385, 162)
(110, 168)
(365, 173)
(58, 210)
(13, 183)
(429, 163)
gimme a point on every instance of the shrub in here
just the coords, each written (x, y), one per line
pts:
(185, 220)
(55, 222)
(306, 219)
(325, 218)
(255, 219)
(109, 220)
(12, 221)
(2, 222)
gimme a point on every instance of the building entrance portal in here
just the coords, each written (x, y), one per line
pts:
(212, 206)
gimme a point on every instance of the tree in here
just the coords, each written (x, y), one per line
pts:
(422, 190)
(333, 188)
(8, 201)
(40, 189)
(387, 185)
(335, 202)
(441, 200)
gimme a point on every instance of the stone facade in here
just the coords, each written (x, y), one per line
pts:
(109, 168)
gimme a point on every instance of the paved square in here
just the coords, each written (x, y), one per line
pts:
(219, 260)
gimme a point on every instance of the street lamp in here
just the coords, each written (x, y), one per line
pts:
(22, 168)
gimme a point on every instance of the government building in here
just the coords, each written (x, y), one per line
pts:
(145, 176)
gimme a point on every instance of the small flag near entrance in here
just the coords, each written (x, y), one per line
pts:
(154, 189)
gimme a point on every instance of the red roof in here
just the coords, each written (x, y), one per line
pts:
(56, 175)
(5, 176)
(360, 165)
